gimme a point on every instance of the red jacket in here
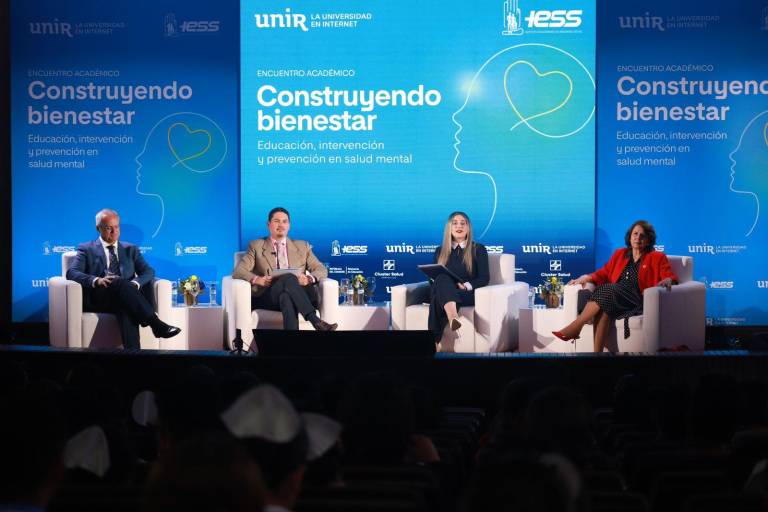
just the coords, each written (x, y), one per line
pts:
(654, 266)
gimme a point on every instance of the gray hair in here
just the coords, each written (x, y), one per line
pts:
(104, 213)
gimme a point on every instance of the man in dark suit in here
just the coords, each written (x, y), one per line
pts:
(116, 279)
(288, 294)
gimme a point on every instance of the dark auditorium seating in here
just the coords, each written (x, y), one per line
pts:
(726, 502)
(97, 497)
(617, 502)
(371, 497)
(671, 489)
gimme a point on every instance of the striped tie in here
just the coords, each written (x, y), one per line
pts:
(114, 266)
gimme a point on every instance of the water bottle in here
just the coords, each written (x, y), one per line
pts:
(531, 296)
(350, 295)
(174, 293)
(212, 294)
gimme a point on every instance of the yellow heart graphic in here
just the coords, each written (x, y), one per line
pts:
(180, 160)
(541, 75)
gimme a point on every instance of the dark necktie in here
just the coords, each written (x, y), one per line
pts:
(114, 266)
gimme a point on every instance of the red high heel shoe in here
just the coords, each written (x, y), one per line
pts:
(563, 337)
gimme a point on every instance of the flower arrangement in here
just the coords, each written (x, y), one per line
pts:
(359, 281)
(191, 287)
(360, 285)
(551, 290)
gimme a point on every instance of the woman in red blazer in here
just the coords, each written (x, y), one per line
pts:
(620, 284)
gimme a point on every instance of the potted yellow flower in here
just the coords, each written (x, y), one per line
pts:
(191, 287)
(359, 284)
(552, 291)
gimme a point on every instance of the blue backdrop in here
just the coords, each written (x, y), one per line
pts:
(497, 121)
(372, 122)
(682, 140)
(133, 109)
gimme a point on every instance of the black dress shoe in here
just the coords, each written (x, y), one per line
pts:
(321, 325)
(162, 330)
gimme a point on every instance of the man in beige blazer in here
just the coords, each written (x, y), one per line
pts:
(288, 294)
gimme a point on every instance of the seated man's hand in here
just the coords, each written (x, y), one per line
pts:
(304, 280)
(104, 282)
(265, 281)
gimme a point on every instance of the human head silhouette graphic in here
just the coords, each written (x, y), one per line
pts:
(519, 97)
(177, 147)
(749, 161)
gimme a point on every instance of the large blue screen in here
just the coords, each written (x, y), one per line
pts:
(133, 109)
(682, 140)
(371, 123)
(554, 124)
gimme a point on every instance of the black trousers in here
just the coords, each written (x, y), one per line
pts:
(290, 298)
(132, 307)
(442, 291)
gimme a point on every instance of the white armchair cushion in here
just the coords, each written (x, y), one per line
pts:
(676, 317)
(497, 313)
(69, 326)
(236, 299)
(99, 330)
(670, 318)
(405, 295)
(489, 326)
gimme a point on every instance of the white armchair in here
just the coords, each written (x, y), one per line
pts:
(669, 319)
(488, 326)
(70, 326)
(236, 299)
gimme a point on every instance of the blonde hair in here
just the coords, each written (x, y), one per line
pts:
(445, 247)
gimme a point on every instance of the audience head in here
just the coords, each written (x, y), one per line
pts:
(101, 453)
(205, 473)
(87, 455)
(267, 424)
(324, 457)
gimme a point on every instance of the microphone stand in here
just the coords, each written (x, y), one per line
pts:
(237, 343)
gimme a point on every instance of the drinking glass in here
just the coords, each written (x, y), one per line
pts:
(343, 287)
(371, 288)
